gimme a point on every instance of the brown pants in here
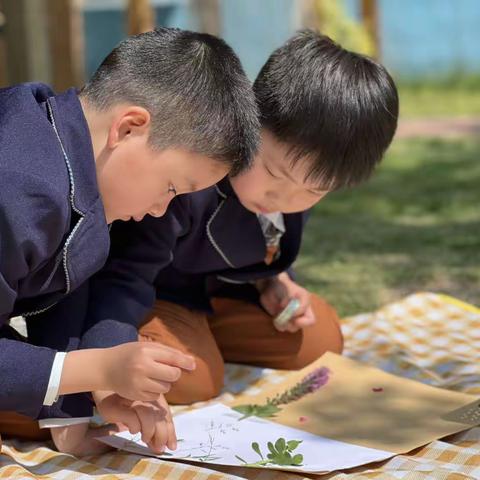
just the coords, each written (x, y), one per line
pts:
(236, 332)
(19, 426)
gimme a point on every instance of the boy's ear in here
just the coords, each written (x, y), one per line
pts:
(130, 120)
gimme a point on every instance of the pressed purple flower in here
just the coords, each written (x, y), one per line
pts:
(309, 384)
(318, 378)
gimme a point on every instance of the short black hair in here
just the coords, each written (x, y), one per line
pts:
(194, 87)
(334, 108)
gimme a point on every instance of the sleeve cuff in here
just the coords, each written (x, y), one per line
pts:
(51, 395)
(62, 422)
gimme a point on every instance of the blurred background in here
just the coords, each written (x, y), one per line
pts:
(416, 225)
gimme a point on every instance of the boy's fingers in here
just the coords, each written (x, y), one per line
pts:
(171, 435)
(304, 321)
(151, 389)
(270, 304)
(282, 328)
(147, 421)
(147, 396)
(168, 348)
(67, 439)
(164, 373)
(304, 298)
(131, 421)
(284, 301)
(292, 327)
(165, 435)
(160, 437)
(173, 357)
(280, 291)
(109, 429)
(121, 427)
(90, 445)
(157, 387)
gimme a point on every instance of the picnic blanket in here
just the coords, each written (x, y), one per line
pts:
(427, 337)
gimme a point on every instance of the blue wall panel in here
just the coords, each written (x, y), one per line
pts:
(419, 38)
(430, 38)
(105, 28)
(254, 28)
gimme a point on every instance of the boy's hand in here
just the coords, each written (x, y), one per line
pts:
(80, 440)
(152, 419)
(143, 370)
(276, 292)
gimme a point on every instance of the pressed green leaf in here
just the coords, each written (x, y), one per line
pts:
(257, 410)
(293, 444)
(256, 448)
(285, 459)
(245, 409)
(280, 445)
(297, 459)
(267, 410)
(271, 448)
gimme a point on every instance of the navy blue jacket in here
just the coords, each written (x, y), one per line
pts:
(207, 244)
(53, 234)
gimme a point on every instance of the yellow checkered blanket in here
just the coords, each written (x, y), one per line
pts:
(431, 338)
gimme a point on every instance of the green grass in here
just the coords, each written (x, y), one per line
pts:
(458, 97)
(414, 227)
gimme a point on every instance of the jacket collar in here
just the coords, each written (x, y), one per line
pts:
(74, 135)
(236, 234)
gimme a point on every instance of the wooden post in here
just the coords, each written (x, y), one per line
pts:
(208, 15)
(141, 16)
(371, 22)
(26, 45)
(15, 41)
(66, 41)
(3, 52)
(307, 15)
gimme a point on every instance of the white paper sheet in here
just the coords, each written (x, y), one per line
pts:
(216, 435)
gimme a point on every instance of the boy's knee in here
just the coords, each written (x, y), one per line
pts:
(314, 346)
(324, 336)
(328, 325)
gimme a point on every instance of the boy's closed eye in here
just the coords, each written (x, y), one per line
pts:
(283, 174)
(270, 172)
(188, 187)
(317, 193)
